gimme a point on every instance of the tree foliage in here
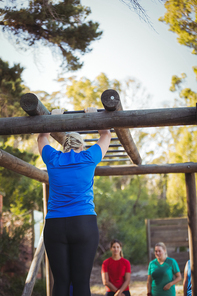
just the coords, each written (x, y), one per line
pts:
(122, 211)
(11, 89)
(182, 147)
(60, 25)
(181, 16)
(21, 193)
(84, 93)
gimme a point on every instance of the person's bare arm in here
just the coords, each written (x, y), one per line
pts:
(124, 285)
(149, 281)
(104, 141)
(105, 135)
(185, 280)
(106, 282)
(43, 137)
(176, 280)
(42, 141)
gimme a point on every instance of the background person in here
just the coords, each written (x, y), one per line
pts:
(161, 272)
(187, 284)
(116, 272)
(71, 232)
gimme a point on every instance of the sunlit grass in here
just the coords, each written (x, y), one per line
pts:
(137, 288)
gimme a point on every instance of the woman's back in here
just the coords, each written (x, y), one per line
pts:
(71, 181)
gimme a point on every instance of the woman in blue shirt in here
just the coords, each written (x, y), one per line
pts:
(71, 232)
(187, 283)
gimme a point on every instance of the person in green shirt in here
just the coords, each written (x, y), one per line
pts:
(163, 273)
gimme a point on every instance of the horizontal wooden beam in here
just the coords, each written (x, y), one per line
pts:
(20, 166)
(119, 170)
(100, 120)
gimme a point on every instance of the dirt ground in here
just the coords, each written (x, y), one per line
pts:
(137, 284)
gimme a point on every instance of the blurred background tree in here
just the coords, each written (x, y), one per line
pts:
(60, 25)
(181, 17)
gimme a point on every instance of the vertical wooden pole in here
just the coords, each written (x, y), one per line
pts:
(49, 276)
(147, 222)
(192, 227)
(33, 234)
(1, 210)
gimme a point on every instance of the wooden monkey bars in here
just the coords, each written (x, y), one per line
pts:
(100, 120)
(85, 123)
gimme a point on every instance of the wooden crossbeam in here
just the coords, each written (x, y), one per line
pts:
(119, 170)
(100, 120)
(111, 101)
(19, 166)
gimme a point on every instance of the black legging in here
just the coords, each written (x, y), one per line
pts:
(71, 245)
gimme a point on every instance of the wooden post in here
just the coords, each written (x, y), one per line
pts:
(99, 120)
(111, 101)
(33, 233)
(33, 106)
(1, 210)
(34, 268)
(147, 222)
(49, 276)
(192, 227)
(19, 166)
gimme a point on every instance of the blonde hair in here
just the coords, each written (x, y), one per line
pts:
(72, 141)
(163, 246)
(118, 242)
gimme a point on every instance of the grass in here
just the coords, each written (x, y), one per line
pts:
(136, 289)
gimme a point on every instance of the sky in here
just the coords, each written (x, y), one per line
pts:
(128, 48)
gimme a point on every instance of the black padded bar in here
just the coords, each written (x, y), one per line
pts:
(81, 111)
(95, 140)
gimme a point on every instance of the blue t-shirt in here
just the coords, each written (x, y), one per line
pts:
(71, 181)
(189, 282)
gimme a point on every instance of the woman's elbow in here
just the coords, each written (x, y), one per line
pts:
(105, 282)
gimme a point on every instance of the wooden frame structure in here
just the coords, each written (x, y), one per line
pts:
(121, 121)
(172, 231)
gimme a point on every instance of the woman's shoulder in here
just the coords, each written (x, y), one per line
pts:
(153, 261)
(171, 261)
(125, 260)
(106, 261)
(48, 152)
